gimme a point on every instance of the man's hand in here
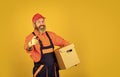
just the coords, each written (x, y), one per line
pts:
(34, 41)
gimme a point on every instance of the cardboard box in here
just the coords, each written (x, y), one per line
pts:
(67, 57)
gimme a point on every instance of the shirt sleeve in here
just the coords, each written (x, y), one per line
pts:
(57, 40)
(27, 39)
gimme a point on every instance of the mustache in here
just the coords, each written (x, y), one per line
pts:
(39, 26)
(41, 29)
(42, 25)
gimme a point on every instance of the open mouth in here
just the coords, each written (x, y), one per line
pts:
(42, 26)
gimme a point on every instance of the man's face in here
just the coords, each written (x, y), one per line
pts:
(40, 25)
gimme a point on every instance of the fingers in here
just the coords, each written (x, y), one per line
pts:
(34, 40)
(30, 44)
(34, 37)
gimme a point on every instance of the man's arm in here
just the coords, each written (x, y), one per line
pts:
(58, 41)
(30, 42)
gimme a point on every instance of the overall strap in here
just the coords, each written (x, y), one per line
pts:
(40, 42)
(41, 45)
(50, 40)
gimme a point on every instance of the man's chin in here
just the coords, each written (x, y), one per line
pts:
(42, 31)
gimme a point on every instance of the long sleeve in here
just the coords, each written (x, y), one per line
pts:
(35, 52)
(57, 40)
(27, 39)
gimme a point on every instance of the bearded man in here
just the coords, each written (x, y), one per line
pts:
(39, 44)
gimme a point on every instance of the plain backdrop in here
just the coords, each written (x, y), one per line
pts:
(92, 25)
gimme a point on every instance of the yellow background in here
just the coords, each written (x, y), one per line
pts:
(92, 25)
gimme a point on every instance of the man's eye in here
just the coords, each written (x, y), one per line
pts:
(38, 22)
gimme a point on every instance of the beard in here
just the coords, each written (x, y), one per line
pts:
(41, 28)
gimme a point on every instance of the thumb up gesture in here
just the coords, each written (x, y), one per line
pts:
(34, 41)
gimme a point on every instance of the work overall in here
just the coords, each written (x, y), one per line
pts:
(47, 66)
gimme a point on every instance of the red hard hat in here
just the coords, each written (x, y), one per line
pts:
(36, 17)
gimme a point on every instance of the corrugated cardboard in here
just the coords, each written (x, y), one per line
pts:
(67, 57)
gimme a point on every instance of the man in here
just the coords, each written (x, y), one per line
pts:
(40, 45)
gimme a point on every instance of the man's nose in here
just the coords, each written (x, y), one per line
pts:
(41, 23)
